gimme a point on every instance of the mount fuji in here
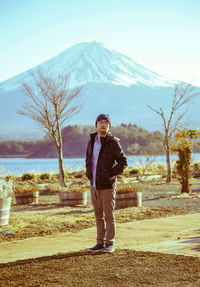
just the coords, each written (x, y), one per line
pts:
(111, 83)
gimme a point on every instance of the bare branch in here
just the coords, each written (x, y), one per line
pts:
(154, 110)
(183, 94)
(51, 104)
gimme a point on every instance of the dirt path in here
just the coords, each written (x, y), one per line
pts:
(176, 235)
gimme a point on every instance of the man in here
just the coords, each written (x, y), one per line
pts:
(105, 159)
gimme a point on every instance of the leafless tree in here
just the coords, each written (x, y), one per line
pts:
(51, 105)
(184, 93)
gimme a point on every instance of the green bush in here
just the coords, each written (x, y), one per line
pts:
(27, 176)
(45, 176)
(79, 174)
(57, 175)
(134, 171)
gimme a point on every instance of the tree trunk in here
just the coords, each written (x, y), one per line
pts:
(169, 172)
(61, 168)
(185, 188)
(60, 151)
(60, 157)
(167, 149)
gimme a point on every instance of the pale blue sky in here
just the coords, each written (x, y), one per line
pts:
(160, 35)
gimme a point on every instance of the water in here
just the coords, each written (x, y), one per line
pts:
(19, 166)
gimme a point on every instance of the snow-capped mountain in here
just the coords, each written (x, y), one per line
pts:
(93, 62)
(96, 63)
(111, 83)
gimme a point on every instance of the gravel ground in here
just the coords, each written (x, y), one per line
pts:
(171, 197)
(122, 268)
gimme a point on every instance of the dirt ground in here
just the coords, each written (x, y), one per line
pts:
(123, 267)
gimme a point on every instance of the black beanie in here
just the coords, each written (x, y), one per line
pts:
(103, 117)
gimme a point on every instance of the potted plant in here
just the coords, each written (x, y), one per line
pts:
(6, 192)
(127, 195)
(25, 194)
(72, 196)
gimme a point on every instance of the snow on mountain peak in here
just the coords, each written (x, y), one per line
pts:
(95, 62)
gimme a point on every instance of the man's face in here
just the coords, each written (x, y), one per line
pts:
(103, 126)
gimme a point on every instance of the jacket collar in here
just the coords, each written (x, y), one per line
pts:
(107, 138)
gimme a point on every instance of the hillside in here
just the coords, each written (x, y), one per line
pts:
(134, 140)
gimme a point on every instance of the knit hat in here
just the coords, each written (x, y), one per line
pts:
(103, 117)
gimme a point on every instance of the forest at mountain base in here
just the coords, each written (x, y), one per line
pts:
(134, 140)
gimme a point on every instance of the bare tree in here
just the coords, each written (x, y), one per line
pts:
(51, 106)
(183, 95)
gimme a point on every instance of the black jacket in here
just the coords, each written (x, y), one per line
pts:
(111, 161)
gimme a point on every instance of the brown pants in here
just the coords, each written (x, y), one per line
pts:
(103, 202)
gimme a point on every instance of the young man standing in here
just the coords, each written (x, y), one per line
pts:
(105, 160)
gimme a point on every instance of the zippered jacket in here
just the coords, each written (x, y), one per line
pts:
(111, 161)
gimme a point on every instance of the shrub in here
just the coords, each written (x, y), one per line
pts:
(186, 141)
(128, 188)
(72, 189)
(79, 174)
(45, 176)
(56, 188)
(57, 175)
(134, 171)
(25, 188)
(27, 176)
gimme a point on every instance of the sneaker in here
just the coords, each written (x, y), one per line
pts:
(109, 249)
(97, 248)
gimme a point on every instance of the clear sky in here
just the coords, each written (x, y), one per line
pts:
(162, 35)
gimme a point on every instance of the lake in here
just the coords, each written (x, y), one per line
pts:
(19, 166)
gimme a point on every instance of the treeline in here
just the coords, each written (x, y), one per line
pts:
(134, 140)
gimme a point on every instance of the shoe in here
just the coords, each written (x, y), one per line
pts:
(97, 248)
(109, 249)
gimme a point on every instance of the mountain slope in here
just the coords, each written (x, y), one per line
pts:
(94, 62)
(112, 83)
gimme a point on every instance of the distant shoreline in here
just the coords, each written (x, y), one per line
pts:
(28, 157)
(13, 156)
(18, 164)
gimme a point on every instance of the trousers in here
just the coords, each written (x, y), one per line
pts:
(103, 202)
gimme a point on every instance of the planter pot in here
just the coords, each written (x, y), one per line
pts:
(5, 204)
(27, 197)
(89, 202)
(73, 198)
(128, 199)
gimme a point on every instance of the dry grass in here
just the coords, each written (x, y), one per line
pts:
(48, 217)
(128, 188)
(25, 188)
